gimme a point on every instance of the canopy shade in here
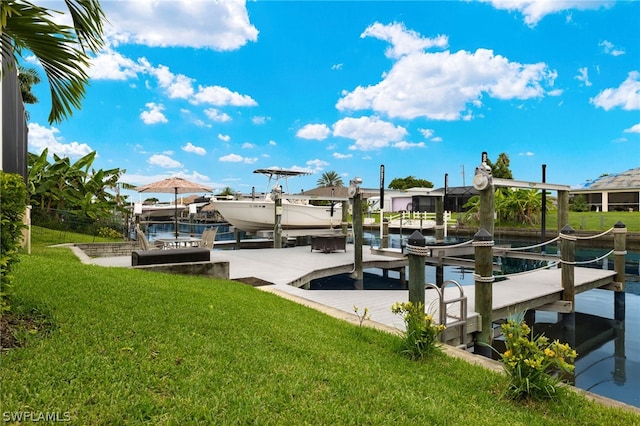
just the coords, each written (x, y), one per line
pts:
(175, 185)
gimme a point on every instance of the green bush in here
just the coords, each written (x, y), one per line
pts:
(12, 206)
(533, 363)
(421, 330)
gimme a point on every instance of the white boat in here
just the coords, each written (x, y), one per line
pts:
(157, 211)
(252, 215)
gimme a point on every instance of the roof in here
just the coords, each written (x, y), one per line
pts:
(622, 181)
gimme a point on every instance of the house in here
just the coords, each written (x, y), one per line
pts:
(614, 192)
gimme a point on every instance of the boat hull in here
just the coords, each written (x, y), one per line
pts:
(253, 215)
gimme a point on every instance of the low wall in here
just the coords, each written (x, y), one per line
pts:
(109, 249)
(208, 269)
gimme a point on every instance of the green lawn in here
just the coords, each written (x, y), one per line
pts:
(124, 346)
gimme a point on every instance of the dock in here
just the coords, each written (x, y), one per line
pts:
(285, 271)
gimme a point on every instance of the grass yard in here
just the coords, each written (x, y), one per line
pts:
(123, 346)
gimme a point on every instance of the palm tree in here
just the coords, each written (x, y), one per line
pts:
(62, 50)
(330, 178)
(27, 77)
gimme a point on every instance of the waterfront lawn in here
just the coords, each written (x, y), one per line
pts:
(130, 346)
(596, 221)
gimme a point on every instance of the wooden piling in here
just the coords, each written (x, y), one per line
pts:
(277, 229)
(439, 220)
(563, 209)
(358, 236)
(345, 217)
(416, 253)
(483, 276)
(619, 252)
(568, 257)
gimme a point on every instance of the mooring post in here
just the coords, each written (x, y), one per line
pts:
(416, 252)
(358, 236)
(567, 262)
(563, 209)
(483, 277)
(439, 219)
(568, 257)
(277, 229)
(345, 217)
(619, 252)
(384, 238)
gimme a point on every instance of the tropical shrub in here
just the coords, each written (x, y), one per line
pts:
(421, 331)
(12, 206)
(533, 364)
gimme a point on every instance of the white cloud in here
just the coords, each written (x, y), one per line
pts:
(535, 10)
(218, 25)
(221, 96)
(526, 154)
(336, 66)
(444, 85)
(317, 165)
(248, 145)
(111, 65)
(154, 115)
(633, 129)
(314, 131)
(164, 161)
(427, 133)
(583, 76)
(215, 115)
(403, 42)
(436, 139)
(224, 138)
(610, 49)
(368, 132)
(406, 145)
(341, 156)
(259, 120)
(189, 147)
(41, 137)
(235, 158)
(627, 96)
(272, 143)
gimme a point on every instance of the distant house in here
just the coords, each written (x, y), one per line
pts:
(615, 192)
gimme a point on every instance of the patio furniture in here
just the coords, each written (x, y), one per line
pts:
(328, 243)
(158, 257)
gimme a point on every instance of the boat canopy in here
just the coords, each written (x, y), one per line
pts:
(278, 172)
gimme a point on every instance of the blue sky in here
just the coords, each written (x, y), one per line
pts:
(211, 91)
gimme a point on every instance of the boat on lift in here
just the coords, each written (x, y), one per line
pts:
(253, 215)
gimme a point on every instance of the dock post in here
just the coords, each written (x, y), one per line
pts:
(483, 276)
(568, 257)
(439, 220)
(358, 236)
(277, 229)
(345, 217)
(619, 251)
(416, 253)
(563, 209)
(384, 238)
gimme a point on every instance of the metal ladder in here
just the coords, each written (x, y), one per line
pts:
(459, 320)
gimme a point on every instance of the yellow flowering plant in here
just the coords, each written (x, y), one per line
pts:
(533, 364)
(421, 330)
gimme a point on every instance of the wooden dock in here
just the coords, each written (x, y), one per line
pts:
(287, 270)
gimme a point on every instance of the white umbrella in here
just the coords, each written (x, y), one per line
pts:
(175, 185)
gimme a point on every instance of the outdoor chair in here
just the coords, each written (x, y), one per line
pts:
(209, 237)
(144, 242)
